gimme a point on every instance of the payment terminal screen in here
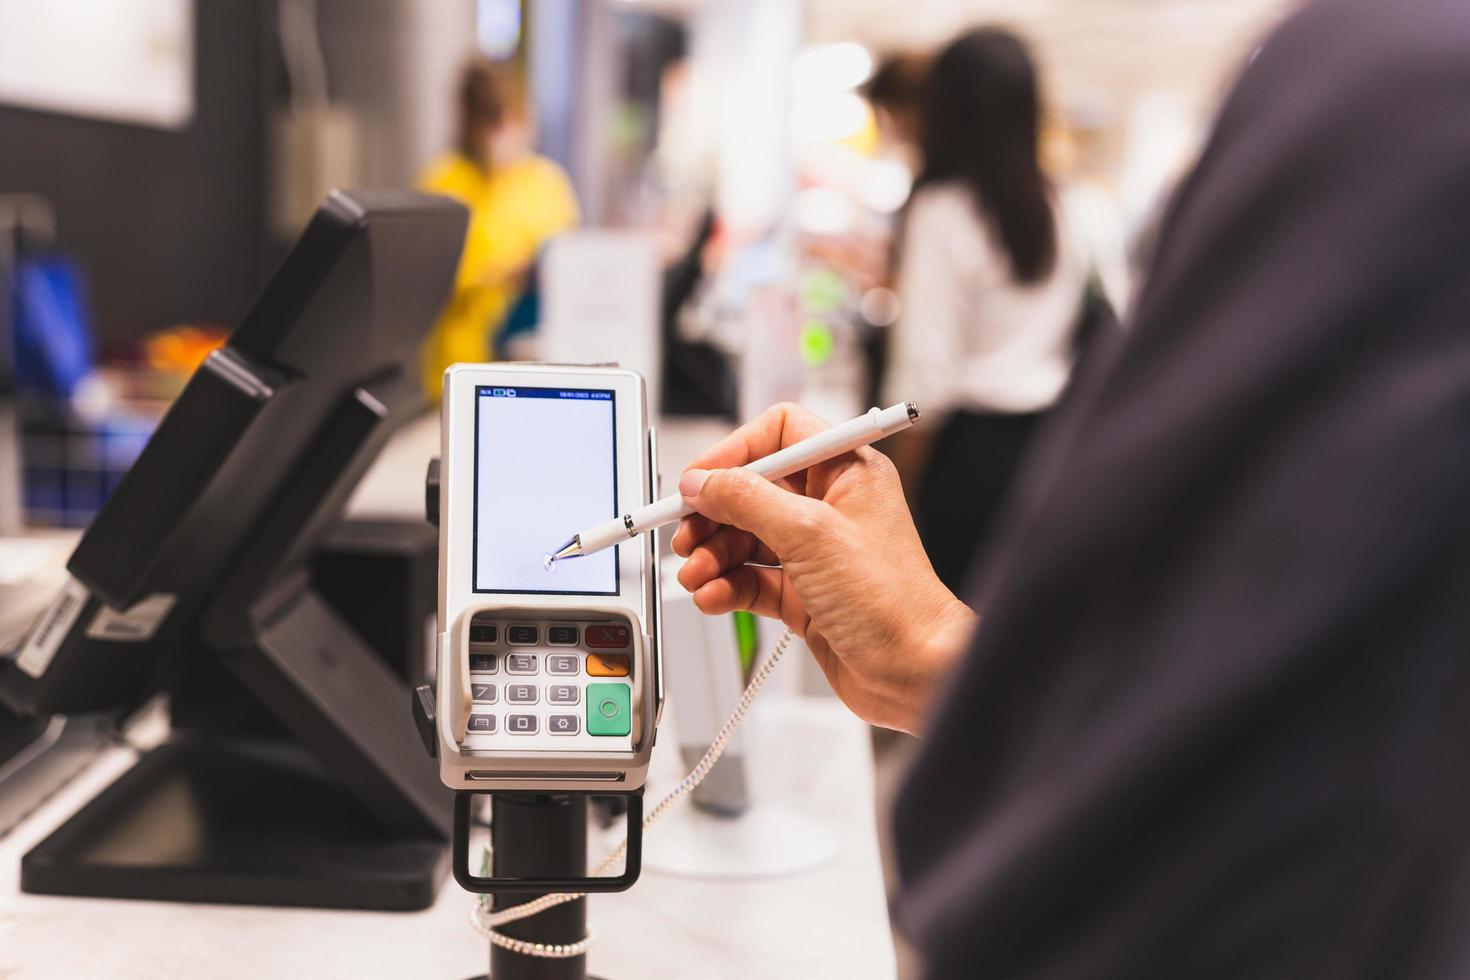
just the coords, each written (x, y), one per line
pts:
(545, 468)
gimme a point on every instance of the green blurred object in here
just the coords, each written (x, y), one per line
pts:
(628, 125)
(822, 291)
(816, 343)
(745, 641)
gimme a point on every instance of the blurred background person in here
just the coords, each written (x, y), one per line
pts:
(896, 92)
(993, 286)
(517, 200)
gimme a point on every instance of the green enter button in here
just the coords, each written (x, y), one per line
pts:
(609, 711)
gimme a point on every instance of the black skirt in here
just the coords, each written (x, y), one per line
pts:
(964, 486)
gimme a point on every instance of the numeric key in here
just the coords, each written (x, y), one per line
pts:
(520, 663)
(563, 663)
(523, 636)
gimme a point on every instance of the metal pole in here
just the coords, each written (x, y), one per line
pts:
(10, 465)
(540, 835)
(23, 217)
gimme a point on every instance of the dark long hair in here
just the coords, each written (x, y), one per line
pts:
(981, 126)
(482, 107)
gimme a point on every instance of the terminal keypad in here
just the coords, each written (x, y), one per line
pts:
(532, 681)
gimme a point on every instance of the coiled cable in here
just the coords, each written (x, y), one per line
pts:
(486, 922)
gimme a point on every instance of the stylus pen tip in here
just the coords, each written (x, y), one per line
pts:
(572, 549)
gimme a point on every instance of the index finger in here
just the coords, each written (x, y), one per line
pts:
(776, 428)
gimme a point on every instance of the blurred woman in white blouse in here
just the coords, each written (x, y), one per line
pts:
(993, 285)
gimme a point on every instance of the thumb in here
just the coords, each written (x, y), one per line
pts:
(782, 519)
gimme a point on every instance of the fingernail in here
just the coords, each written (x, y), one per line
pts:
(692, 482)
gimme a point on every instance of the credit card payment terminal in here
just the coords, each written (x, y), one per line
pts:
(548, 672)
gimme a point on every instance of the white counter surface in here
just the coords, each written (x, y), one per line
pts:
(808, 755)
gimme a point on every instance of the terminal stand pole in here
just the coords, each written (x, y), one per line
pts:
(540, 835)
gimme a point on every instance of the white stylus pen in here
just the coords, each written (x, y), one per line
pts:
(861, 431)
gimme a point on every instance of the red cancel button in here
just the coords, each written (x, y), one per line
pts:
(604, 637)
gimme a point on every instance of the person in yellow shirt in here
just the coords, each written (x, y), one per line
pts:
(517, 201)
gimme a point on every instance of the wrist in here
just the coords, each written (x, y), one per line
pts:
(934, 638)
(945, 642)
(957, 626)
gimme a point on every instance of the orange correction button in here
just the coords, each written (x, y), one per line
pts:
(607, 664)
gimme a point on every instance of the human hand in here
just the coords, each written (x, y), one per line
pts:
(833, 554)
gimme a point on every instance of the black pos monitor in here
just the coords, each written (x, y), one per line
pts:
(292, 774)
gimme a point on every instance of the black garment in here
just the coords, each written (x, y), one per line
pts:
(972, 468)
(1216, 721)
(966, 479)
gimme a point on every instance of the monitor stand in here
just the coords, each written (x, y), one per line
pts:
(259, 817)
(226, 820)
(307, 785)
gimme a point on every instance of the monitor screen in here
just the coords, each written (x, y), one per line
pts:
(545, 468)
